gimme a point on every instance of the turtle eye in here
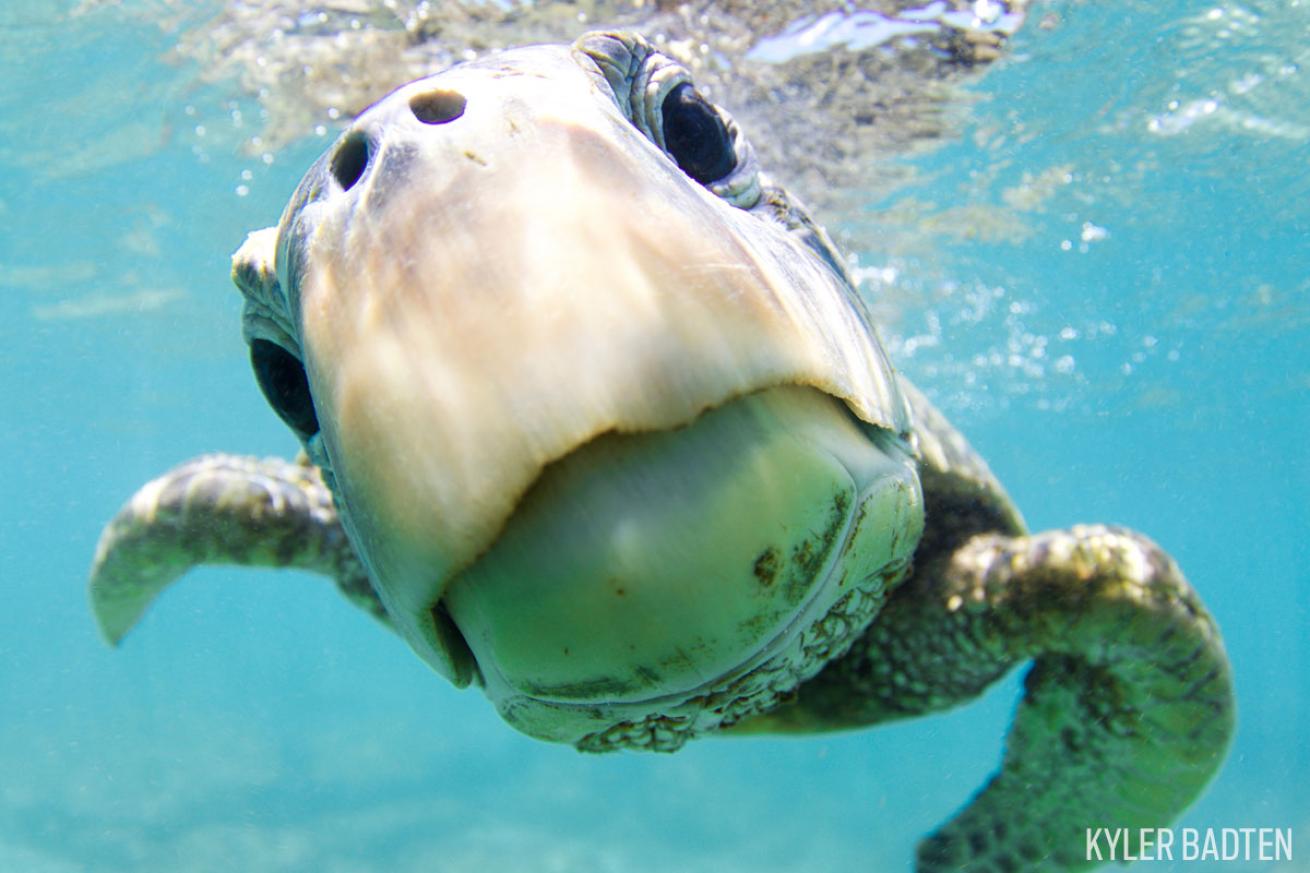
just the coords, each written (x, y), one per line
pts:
(695, 136)
(282, 378)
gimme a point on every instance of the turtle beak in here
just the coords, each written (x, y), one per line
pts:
(495, 270)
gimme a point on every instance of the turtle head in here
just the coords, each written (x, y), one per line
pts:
(603, 415)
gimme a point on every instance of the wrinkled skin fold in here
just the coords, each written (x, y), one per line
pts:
(619, 445)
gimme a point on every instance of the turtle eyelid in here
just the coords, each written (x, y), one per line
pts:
(657, 96)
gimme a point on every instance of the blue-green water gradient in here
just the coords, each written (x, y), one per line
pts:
(1120, 322)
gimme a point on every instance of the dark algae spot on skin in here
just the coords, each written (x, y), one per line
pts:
(678, 661)
(608, 687)
(860, 515)
(803, 555)
(766, 566)
(808, 556)
(648, 675)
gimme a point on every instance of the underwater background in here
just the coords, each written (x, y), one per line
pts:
(1101, 274)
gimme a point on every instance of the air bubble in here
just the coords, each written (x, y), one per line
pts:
(1093, 233)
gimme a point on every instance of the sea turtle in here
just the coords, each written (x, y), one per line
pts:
(594, 418)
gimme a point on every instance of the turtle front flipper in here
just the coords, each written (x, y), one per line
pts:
(1126, 713)
(221, 509)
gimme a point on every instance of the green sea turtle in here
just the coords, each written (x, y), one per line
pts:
(594, 419)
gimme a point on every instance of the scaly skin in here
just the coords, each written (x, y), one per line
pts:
(1127, 711)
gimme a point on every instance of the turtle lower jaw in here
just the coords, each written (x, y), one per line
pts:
(650, 587)
(793, 656)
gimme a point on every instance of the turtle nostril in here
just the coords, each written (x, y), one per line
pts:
(438, 107)
(350, 161)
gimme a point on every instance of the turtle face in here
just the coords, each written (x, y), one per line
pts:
(604, 419)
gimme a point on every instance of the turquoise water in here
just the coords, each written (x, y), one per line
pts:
(1103, 279)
